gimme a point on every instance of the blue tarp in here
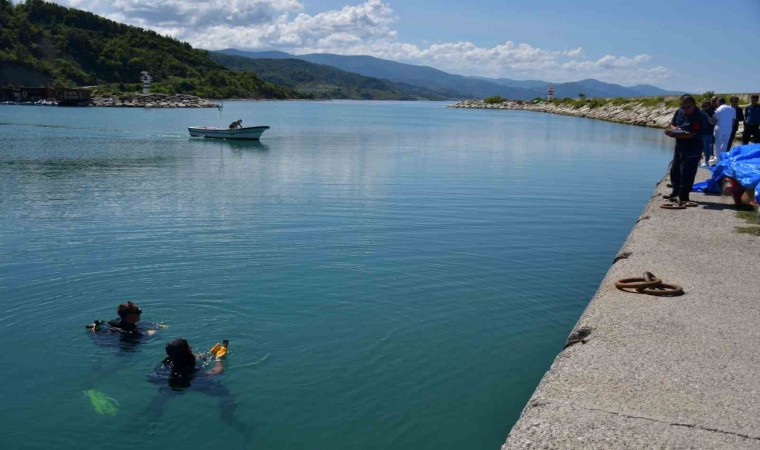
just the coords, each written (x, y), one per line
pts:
(741, 164)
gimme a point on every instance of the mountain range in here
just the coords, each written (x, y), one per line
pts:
(321, 81)
(453, 86)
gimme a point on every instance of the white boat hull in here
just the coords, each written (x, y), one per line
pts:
(226, 133)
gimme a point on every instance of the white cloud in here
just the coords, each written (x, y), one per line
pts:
(363, 29)
(188, 15)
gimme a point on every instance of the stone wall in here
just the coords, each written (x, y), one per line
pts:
(629, 113)
(152, 101)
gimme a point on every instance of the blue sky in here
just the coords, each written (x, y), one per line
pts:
(686, 45)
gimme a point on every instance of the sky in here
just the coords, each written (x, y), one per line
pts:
(693, 45)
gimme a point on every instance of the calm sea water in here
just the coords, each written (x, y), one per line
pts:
(390, 275)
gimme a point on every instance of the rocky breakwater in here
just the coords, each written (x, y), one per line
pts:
(152, 101)
(630, 113)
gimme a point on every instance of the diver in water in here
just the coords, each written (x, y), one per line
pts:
(126, 331)
(182, 367)
(129, 316)
(123, 336)
(183, 371)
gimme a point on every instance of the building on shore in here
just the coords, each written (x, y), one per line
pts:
(145, 78)
(63, 96)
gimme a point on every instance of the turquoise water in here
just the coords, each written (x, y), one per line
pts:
(390, 275)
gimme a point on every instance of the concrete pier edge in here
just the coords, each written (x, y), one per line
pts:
(659, 372)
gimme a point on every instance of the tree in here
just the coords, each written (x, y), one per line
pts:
(581, 95)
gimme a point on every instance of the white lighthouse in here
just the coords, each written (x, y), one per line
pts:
(146, 79)
(550, 96)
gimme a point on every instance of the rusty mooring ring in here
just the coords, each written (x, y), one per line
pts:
(647, 281)
(663, 290)
(672, 206)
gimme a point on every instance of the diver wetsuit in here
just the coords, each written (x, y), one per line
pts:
(122, 326)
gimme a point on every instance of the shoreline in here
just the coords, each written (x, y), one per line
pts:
(661, 371)
(630, 113)
(151, 101)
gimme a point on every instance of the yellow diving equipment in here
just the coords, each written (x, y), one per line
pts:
(219, 350)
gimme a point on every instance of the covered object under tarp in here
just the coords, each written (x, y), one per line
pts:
(742, 164)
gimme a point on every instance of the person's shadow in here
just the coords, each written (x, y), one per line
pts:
(717, 206)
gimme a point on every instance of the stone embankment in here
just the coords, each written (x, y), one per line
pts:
(153, 101)
(629, 113)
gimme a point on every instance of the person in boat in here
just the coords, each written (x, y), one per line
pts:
(183, 371)
(236, 124)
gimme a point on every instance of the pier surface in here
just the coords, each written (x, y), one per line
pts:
(662, 372)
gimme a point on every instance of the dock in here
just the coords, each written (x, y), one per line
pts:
(662, 372)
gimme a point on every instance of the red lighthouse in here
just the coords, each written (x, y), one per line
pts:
(550, 96)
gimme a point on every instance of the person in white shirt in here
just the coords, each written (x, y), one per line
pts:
(724, 122)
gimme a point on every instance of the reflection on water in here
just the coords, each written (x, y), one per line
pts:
(240, 144)
(393, 275)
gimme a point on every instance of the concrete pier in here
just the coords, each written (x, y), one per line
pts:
(662, 372)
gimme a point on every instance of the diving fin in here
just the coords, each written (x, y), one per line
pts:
(102, 403)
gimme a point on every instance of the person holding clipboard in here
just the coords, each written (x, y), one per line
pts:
(687, 127)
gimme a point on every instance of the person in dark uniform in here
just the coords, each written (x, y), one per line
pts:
(752, 121)
(687, 128)
(707, 138)
(739, 118)
(182, 371)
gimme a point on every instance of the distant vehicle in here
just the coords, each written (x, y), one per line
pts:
(228, 133)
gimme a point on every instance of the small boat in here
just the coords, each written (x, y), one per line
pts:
(228, 133)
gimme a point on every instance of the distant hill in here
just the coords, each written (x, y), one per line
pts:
(648, 90)
(321, 81)
(45, 44)
(458, 86)
(588, 87)
(443, 84)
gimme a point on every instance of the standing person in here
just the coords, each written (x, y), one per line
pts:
(707, 137)
(739, 118)
(687, 128)
(724, 123)
(752, 121)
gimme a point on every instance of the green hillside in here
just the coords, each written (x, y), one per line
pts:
(321, 81)
(53, 45)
